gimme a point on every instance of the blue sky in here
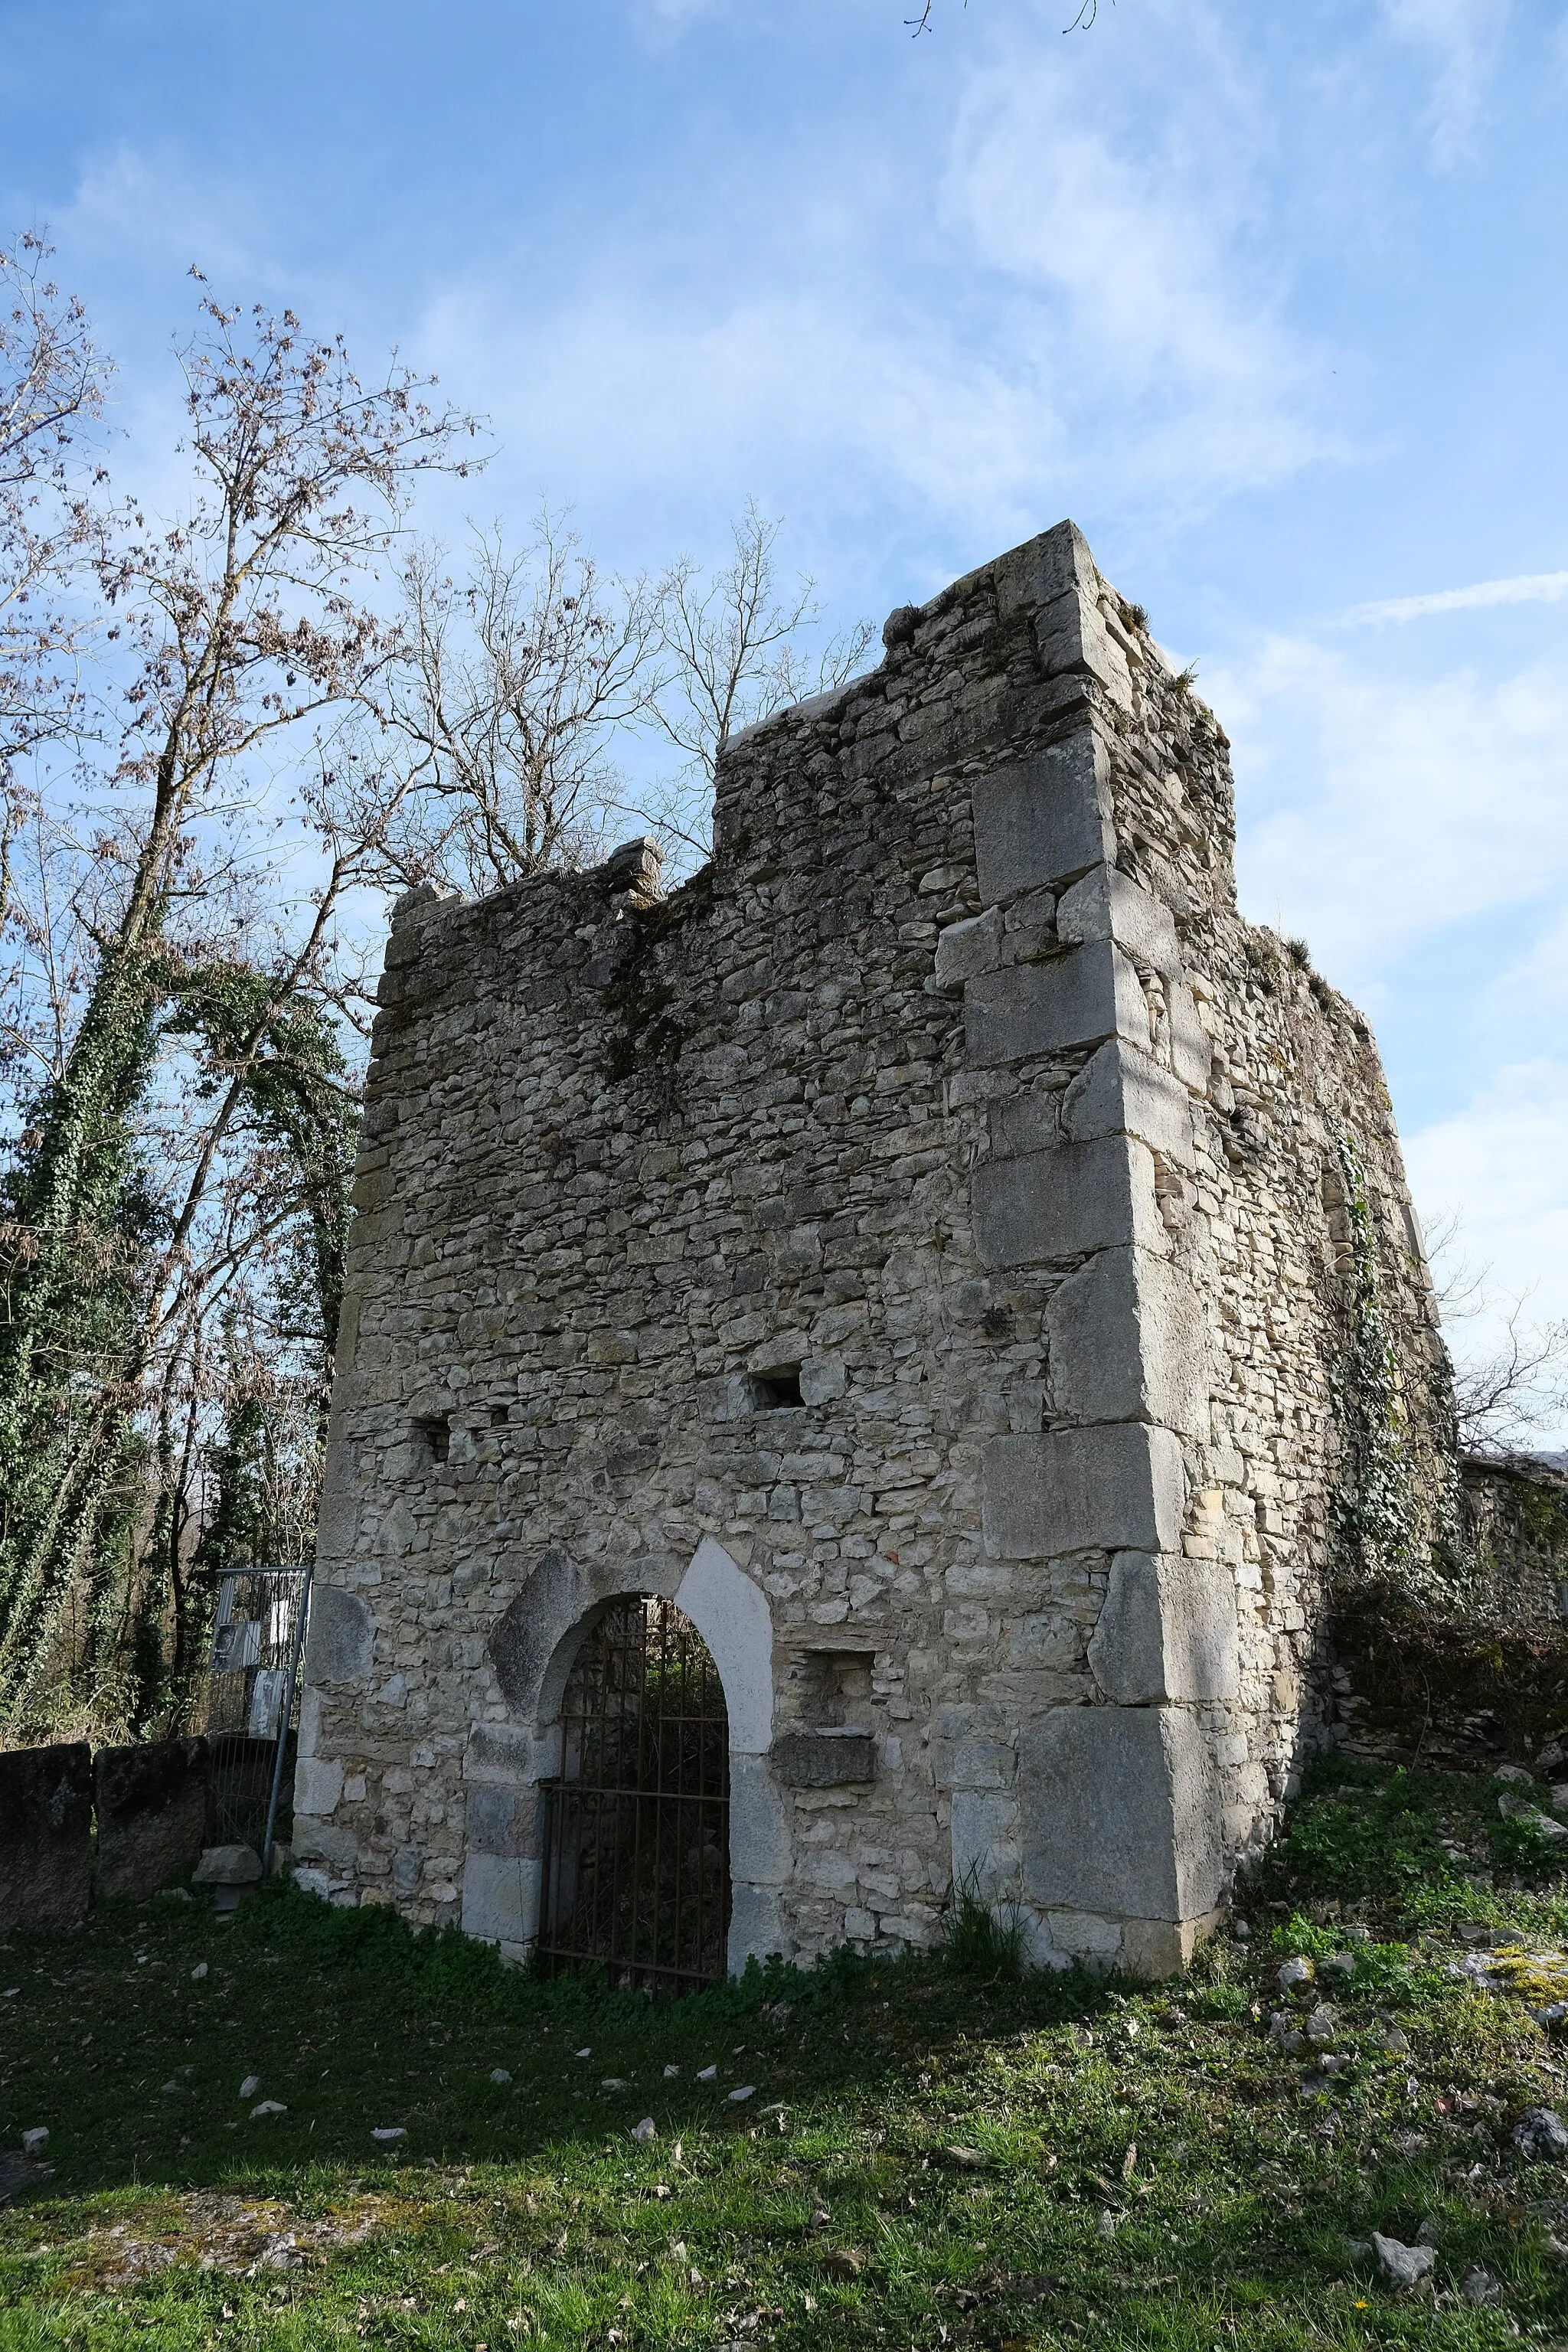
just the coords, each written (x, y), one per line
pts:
(1270, 300)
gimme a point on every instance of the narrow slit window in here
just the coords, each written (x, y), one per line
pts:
(436, 1432)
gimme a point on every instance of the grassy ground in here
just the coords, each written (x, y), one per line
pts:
(926, 2157)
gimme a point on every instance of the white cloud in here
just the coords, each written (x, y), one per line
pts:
(1462, 38)
(789, 392)
(1381, 811)
(1524, 588)
(1122, 227)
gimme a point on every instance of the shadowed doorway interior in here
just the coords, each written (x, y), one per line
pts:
(636, 1828)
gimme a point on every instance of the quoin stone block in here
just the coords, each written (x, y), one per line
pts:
(916, 1246)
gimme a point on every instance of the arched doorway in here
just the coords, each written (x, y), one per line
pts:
(636, 1827)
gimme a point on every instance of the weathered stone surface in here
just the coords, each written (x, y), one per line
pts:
(1043, 1207)
(1120, 1488)
(340, 1644)
(824, 1759)
(1167, 1632)
(45, 1831)
(1105, 904)
(1035, 1009)
(227, 1865)
(1121, 1808)
(1044, 820)
(1120, 1091)
(919, 1246)
(1129, 1342)
(152, 1807)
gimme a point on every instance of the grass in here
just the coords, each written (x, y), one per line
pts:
(935, 2153)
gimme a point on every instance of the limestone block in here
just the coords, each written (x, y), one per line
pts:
(1191, 1055)
(824, 1759)
(152, 1807)
(500, 1899)
(318, 1784)
(1162, 1948)
(756, 1926)
(1039, 1206)
(1033, 1009)
(1086, 1936)
(759, 1845)
(319, 1840)
(1166, 1632)
(1119, 1487)
(340, 1641)
(730, 1612)
(972, 1763)
(1128, 1342)
(984, 1843)
(501, 1820)
(1045, 820)
(1120, 1091)
(1107, 905)
(1053, 565)
(45, 1826)
(965, 949)
(1120, 1814)
(822, 1378)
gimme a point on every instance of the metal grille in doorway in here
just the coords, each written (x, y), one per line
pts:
(252, 1701)
(636, 1829)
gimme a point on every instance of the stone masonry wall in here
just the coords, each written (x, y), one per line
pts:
(956, 1088)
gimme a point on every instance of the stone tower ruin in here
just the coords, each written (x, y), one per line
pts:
(941, 1247)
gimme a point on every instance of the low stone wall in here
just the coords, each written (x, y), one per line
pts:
(151, 1803)
(46, 1839)
(152, 1807)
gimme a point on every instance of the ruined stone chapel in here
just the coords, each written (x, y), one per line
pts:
(845, 1395)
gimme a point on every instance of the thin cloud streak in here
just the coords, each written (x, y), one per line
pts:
(1523, 588)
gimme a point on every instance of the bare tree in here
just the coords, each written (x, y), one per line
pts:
(732, 654)
(508, 701)
(51, 388)
(199, 923)
(1510, 1389)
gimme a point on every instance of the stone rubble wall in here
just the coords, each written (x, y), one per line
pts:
(955, 1088)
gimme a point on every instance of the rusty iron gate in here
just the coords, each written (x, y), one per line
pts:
(636, 1828)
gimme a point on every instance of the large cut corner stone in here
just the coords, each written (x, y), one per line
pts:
(1120, 1488)
(1063, 1203)
(1128, 1342)
(1120, 1814)
(1031, 1010)
(1167, 1631)
(1043, 819)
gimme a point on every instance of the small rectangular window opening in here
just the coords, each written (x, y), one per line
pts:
(436, 1432)
(774, 1392)
(499, 1416)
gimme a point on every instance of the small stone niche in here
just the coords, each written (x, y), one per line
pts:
(434, 1431)
(834, 1744)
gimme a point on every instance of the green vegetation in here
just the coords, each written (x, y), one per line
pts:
(933, 2153)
